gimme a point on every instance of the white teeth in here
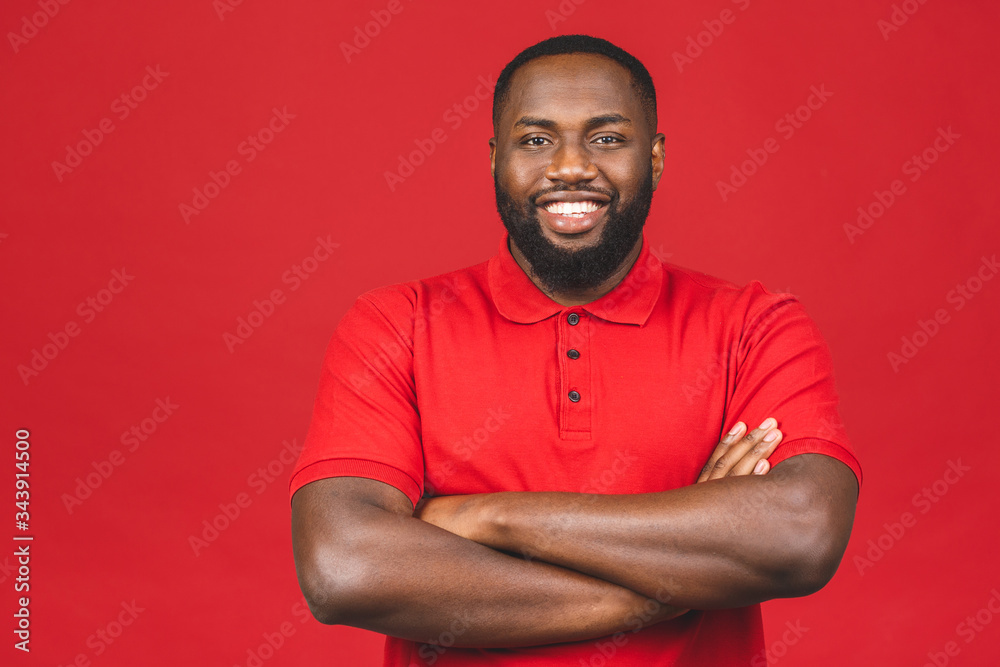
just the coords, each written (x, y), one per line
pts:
(572, 208)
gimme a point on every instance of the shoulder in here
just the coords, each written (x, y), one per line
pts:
(405, 303)
(751, 304)
(451, 286)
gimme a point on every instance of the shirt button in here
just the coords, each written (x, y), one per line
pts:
(574, 396)
(572, 354)
(573, 318)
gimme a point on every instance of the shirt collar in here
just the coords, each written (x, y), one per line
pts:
(630, 302)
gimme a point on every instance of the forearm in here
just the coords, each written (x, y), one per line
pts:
(724, 543)
(402, 577)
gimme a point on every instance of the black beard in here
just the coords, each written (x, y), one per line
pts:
(562, 270)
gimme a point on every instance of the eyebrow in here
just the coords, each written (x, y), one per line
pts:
(606, 119)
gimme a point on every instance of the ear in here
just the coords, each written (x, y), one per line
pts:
(493, 156)
(657, 156)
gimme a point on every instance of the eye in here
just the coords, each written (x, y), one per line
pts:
(611, 140)
(535, 141)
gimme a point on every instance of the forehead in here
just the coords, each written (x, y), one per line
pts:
(575, 85)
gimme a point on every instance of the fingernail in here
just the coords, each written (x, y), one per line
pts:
(767, 423)
(759, 468)
(737, 427)
(771, 436)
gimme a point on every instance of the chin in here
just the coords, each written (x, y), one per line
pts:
(589, 238)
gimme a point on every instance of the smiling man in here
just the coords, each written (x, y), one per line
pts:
(518, 463)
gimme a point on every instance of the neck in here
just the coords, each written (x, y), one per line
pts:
(581, 296)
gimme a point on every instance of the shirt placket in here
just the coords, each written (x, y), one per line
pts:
(576, 397)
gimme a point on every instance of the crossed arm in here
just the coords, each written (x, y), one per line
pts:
(580, 565)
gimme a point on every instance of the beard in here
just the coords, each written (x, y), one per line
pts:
(564, 270)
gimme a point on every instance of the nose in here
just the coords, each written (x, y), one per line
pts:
(571, 163)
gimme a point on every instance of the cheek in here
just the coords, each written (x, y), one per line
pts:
(523, 167)
(623, 168)
(626, 175)
(509, 173)
(522, 175)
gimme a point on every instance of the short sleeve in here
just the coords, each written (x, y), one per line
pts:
(365, 421)
(785, 371)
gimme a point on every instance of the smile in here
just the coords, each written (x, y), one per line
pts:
(576, 209)
(575, 217)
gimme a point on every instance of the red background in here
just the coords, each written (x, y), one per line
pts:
(324, 176)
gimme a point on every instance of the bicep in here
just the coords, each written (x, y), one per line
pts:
(825, 479)
(330, 517)
(338, 503)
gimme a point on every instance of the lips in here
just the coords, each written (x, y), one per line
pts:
(571, 212)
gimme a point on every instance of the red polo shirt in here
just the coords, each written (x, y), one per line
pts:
(475, 381)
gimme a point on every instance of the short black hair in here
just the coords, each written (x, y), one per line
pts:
(642, 82)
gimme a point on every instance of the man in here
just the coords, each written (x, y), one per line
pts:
(589, 496)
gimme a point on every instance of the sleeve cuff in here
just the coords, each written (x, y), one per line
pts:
(817, 446)
(380, 472)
